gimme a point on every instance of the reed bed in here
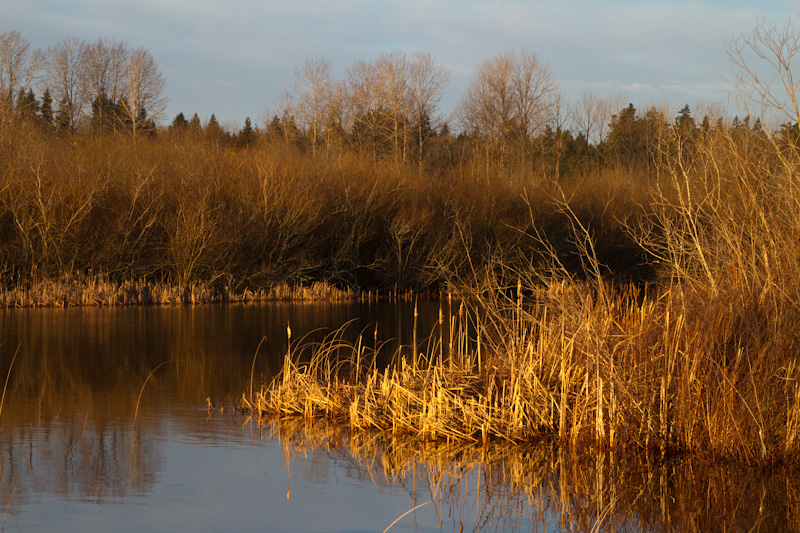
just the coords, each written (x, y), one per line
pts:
(607, 369)
(69, 290)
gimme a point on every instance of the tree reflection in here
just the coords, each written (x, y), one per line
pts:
(68, 426)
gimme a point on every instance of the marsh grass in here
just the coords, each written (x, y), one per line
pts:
(612, 370)
(68, 290)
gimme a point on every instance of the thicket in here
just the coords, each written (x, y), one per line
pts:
(189, 208)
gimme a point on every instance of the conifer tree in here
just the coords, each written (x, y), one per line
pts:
(46, 109)
(214, 131)
(104, 113)
(194, 123)
(179, 122)
(247, 135)
(145, 124)
(63, 117)
(27, 106)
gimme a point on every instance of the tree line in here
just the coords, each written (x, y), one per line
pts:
(105, 85)
(362, 181)
(513, 119)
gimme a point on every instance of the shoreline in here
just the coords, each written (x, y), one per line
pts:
(99, 291)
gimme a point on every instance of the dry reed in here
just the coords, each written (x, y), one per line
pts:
(70, 290)
(580, 363)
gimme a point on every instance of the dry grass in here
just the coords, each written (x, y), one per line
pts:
(615, 370)
(99, 290)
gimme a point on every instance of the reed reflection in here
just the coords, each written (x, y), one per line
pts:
(498, 487)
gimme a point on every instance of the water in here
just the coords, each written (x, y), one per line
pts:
(84, 446)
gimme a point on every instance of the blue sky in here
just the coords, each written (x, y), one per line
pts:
(233, 57)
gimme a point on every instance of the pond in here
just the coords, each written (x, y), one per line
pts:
(104, 427)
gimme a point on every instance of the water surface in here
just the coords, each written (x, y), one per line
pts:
(104, 427)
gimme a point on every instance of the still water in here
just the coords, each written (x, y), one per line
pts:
(104, 427)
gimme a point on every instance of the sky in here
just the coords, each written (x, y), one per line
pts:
(233, 58)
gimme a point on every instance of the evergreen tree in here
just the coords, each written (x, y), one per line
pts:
(46, 109)
(274, 129)
(212, 123)
(27, 106)
(63, 115)
(144, 124)
(214, 131)
(179, 122)
(684, 120)
(194, 123)
(628, 137)
(104, 113)
(247, 135)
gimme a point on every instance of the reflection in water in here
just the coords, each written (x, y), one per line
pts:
(67, 424)
(499, 488)
(72, 457)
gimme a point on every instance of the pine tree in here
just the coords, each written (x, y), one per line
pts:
(214, 131)
(46, 109)
(104, 113)
(27, 106)
(194, 123)
(275, 129)
(144, 124)
(179, 122)
(247, 135)
(63, 117)
(684, 120)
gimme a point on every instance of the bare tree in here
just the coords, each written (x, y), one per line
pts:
(506, 98)
(280, 122)
(587, 115)
(587, 121)
(533, 86)
(560, 115)
(18, 67)
(426, 82)
(606, 108)
(142, 95)
(383, 97)
(339, 116)
(64, 76)
(766, 86)
(392, 72)
(764, 64)
(487, 108)
(592, 116)
(311, 95)
(365, 94)
(103, 69)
